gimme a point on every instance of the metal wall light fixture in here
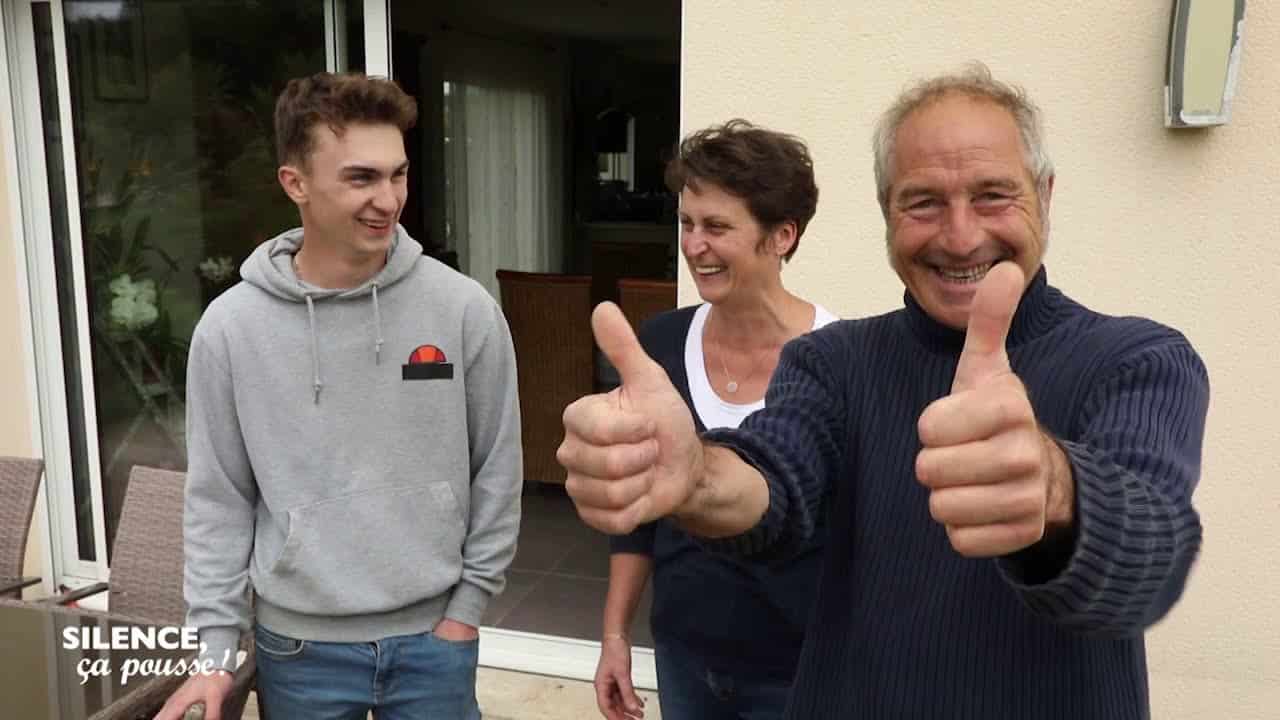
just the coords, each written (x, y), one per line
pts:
(1203, 62)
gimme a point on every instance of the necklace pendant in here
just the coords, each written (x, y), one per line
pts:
(731, 387)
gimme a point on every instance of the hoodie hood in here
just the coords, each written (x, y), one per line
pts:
(270, 268)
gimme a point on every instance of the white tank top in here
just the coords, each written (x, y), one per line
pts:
(710, 407)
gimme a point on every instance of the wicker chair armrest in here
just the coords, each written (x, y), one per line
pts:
(8, 585)
(144, 701)
(74, 595)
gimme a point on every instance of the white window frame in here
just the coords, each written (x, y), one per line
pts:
(335, 35)
(10, 149)
(36, 242)
(377, 37)
(557, 656)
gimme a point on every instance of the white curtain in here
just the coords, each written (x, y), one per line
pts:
(504, 174)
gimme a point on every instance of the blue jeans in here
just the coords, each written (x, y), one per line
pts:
(418, 677)
(690, 690)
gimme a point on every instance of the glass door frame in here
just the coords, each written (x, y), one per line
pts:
(28, 181)
(20, 217)
(36, 243)
(30, 226)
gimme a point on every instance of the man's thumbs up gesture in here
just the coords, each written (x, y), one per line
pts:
(631, 454)
(997, 482)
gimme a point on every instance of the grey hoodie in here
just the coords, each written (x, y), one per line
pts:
(353, 455)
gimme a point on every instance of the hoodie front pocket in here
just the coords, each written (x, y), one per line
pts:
(372, 552)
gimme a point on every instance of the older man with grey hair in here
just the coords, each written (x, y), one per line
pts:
(1007, 474)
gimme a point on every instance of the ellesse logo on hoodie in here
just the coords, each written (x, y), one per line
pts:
(427, 362)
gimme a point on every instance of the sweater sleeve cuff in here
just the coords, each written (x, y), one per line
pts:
(1055, 580)
(767, 537)
(218, 646)
(467, 604)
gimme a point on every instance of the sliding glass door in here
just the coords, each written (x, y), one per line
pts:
(146, 137)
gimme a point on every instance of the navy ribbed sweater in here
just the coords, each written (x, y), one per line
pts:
(904, 627)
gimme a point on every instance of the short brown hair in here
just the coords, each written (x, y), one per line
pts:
(771, 171)
(337, 100)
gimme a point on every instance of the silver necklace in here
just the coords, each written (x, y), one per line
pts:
(732, 385)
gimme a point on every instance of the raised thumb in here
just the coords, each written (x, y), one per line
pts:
(990, 315)
(618, 342)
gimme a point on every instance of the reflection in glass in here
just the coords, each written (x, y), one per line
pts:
(173, 114)
(616, 149)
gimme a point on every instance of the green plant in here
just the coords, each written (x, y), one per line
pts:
(128, 281)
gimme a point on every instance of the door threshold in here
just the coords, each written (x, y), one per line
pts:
(557, 656)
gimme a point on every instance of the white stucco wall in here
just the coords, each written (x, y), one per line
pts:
(15, 418)
(15, 407)
(1174, 225)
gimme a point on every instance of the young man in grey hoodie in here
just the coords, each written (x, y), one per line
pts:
(354, 440)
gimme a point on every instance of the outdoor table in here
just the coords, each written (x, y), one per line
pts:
(40, 677)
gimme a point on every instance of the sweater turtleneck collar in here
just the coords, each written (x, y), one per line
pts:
(1033, 318)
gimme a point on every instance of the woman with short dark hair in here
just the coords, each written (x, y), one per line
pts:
(727, 636)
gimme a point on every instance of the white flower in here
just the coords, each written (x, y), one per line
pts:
(217, 269)
(133, 314)
(122, 286)
(134, 304)
(145, 291)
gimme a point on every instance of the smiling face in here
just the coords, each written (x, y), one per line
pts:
(352, 188)
(960, 200)
(731, 256)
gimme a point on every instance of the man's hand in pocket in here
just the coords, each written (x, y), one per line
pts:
(455, 631)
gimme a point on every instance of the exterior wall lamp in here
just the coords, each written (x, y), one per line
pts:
(1203, 62)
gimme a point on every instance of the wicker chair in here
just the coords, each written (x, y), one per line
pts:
(642, 299)
(19, 484)
(146, 575)
(550, 320)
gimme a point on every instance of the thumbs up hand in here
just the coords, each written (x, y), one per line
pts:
(632, 454)
(997, 482)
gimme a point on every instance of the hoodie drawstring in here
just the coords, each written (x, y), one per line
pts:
(315, 348)
(377, 322)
